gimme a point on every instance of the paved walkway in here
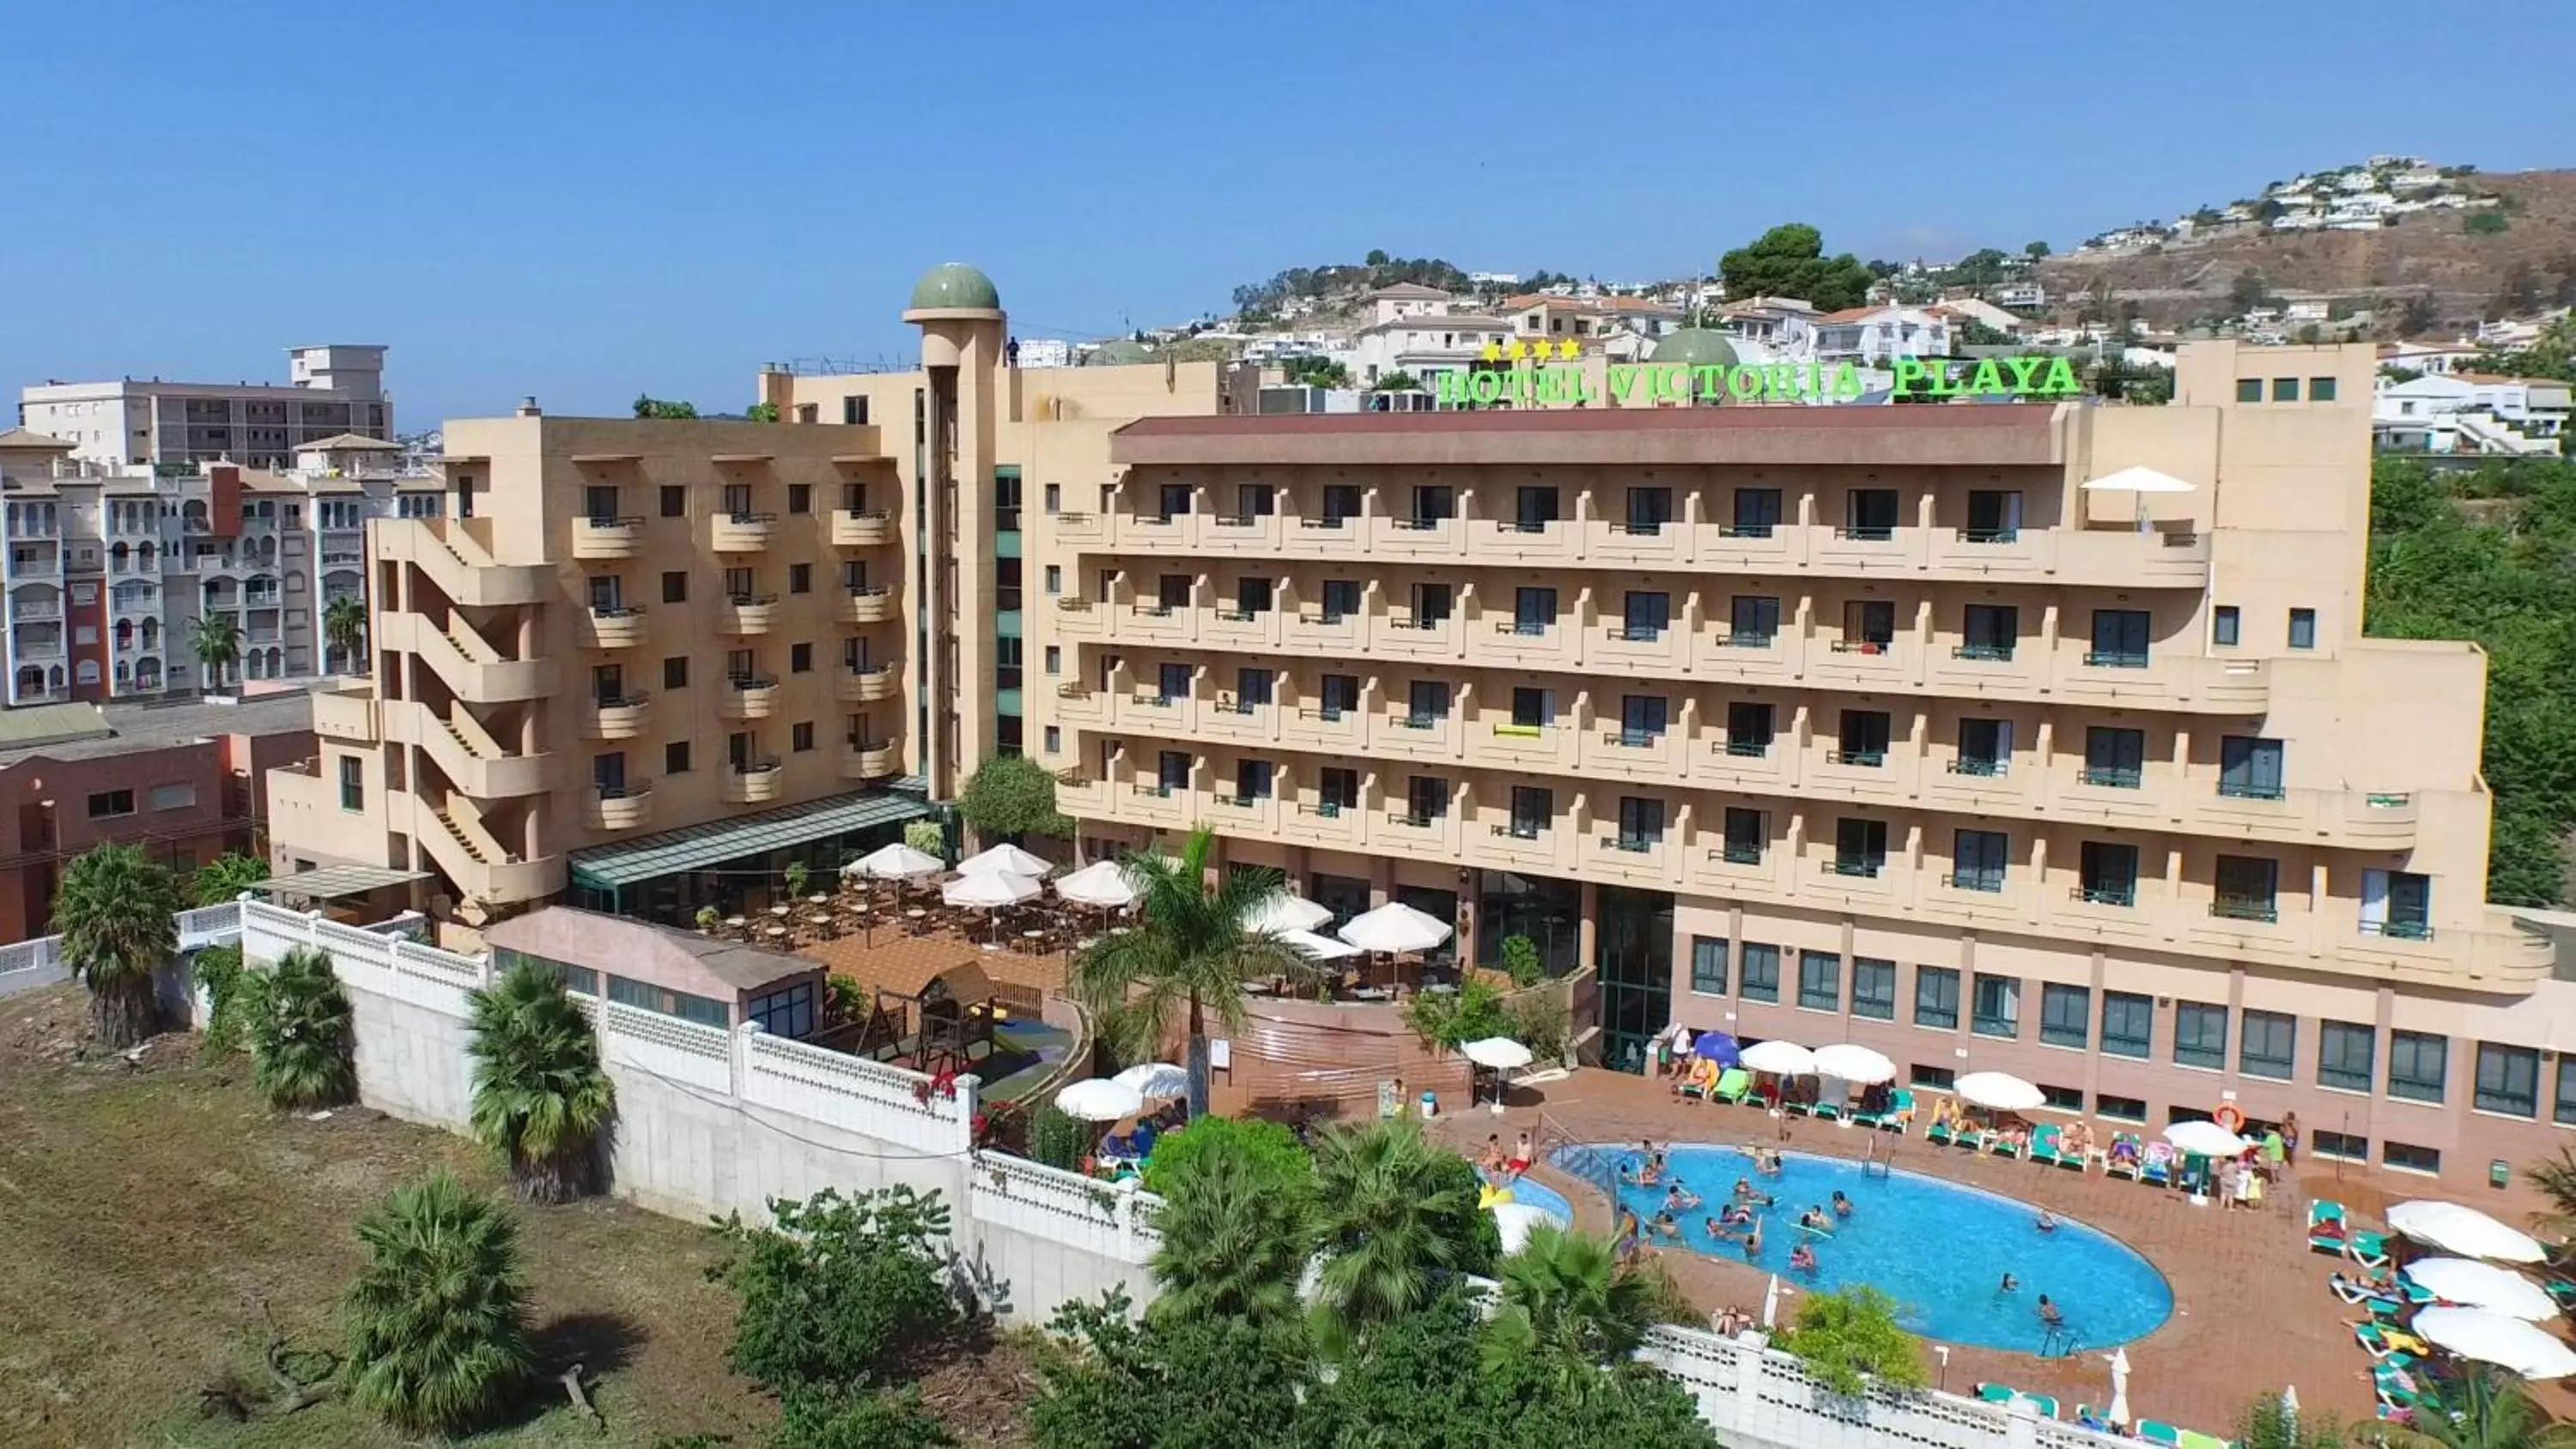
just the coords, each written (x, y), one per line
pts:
(2252, 1311)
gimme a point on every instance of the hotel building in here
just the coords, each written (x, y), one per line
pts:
(2032, 737)
(179, 426)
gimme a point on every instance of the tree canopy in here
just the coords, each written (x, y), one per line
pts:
(1850, 1337)
(1790, 261)
(648, 406)
(1009, 796)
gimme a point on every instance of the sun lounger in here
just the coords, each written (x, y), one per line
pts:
(2116, 1164)
(2005, 1394)
(2562, 1292)
(2158, 1168)
(2156, 1431)
(2043, 1146)
(2368, 1249)
(2004, 1145)
(1940, 1135)
(2327, 1230)
(2354, 1292)
(2381, 1340)
(2194, 1439)
(1826, 1112)
(1899, 1115)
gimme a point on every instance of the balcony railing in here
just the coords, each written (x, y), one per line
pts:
(2115, 659)
(1632, 739)
(1421, 721)
(1520, 830)
(1864, 646)
(1525, 628)
(1631, 844)
(1738, 853)
(2245, 908)
(1158, 792)
(1324, 809)
(1864, 759)
(2109, 777)
(1865, 869)
(2399, 930)
(1988, 881)
(2106, 893)
(1742, 640)
(1865, 533)
(1744, 749)
(1985, 769)
(1415, 819)
(1983, 653)
(1746, 530)
(1989, 535)
(2248, 790)
(1635, 633)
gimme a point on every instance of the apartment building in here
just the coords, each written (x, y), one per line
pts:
(179, 780)
(2033, 737)
(108, 568)
(640, 663)
(329, 390)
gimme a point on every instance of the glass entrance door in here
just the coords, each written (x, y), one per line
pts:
(1635, 956)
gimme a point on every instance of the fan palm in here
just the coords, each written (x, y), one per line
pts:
(217, 644)
(221, 881)
(541, 1098)
(438, 1333)
(1385, 1209)
(2556, 1180)
(2484, 1411)
(117, 913)
(1563, 1291)
(1189, 956)
(301, 1037)
(344, 625)
(1234, 1241)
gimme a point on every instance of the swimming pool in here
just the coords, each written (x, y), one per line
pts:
(1940, 1249)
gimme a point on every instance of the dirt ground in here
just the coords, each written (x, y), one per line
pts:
(154, 1217)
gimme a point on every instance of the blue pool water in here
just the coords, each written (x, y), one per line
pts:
(1939, 1249)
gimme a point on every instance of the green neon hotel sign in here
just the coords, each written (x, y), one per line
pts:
(1631, 384)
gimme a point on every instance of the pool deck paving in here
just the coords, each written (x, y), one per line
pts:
(2252, 1310)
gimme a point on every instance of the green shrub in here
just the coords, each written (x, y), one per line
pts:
(1059, 1139)
(1521, 961)
(1274, 1152)
(1541, 1022)
(838, 1293)
(1471, 1013)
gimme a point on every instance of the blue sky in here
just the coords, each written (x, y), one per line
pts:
(585, 201)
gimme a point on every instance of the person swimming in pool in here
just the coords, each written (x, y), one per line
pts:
(1736, 1213)
(1815, 1221)
(1753, 1240)
(1743, 1188)
(2010, 1284)
(1842, 1204)
(2049, 1317)
(2047, 1221)
(1802, 1258)
(1665, 1227)
(1680, 1199)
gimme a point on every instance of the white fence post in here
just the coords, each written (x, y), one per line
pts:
(969, 1093)
(2021, 1424)
(1127, 1190)
(739, 1059)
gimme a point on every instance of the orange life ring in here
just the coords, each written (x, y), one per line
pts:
(2229, 1116)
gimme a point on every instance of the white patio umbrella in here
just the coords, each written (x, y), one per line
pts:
(1786, 1058)
(1499, 1052)
(1155, 1080)
(1854, 1063)
(1283, 914)
(2508, 1343)
(2208, 1139)
(897, 861)
(1005, 859)
(2119, 1410)
(2140, 481)
(1101, 883)
(2481, 1285)
(2000, 1091)
(1395, 928)
(2464, 1231)
(1100, 1099)
(1318, 948)
(989, 890)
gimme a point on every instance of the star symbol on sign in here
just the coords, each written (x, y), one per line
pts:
(1493, 352)
(1516, 351)
(1569, 348)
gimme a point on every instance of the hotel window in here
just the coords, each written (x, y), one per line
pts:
(2563, 1110)
(2267, 1044)
(2113, 1108)
(1820, 981)
(1998, 1003)
(2119, 639)
(1757, 513)
(2342, 1146)
(788, 1013)
(1860, 847)
(1985, 748)
(1869, 514)
(1753, 621)
(2128, 1025)
(1644, 616)
(1171, 771)
(1863, 737)
(1989, 633)
(648, 997)
(1174, 499)
(1432, 605)
(1994, 516)
(1936, 998)
(1252, 689)
(1341, 600)
(675, 758)
(1537, 508)
(1532, 709)
(2223, 627)
(1643, 719)
(1977, 860)
(1869, 627)
(675, 588)
(2407, 1157)
(1339, 694)
(2249, 389)
(1533, 610)
(800, 497)
(2061, 1099)
(1641, 824)
(1649, 509)
(2114, 758)
(675, 672)
(1532, 808)
(1054, 580)
(1054, 496)
(2246, 888)
(1760, 978)
(1708, 966)
(1746, 830)
(1172, 683)
(1873, 988)
(675, 501)
(1434, 503)
(173, 797)
(2303, 628)
(1749, 730)
(2397, 903)
(1252, 781)
(1938, 1079)
(2417, 1063)
(353, 783)
(1054, 740)
(800, 658)
(1426, 800)
(108, 804)
(1336, 790)
(1426, 703)
(2508, 1080)
(1252, 597)
(2200, 1035)
(2344, 1055)
(1341, 501)
(854, 411)
(1054, 658)
(2285, 389)
(1256, 500)
(2321, 389)
(2249, 768)
(800, 736)
(2065, 1015)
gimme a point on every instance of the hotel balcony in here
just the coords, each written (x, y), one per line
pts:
(347, 713)
(616, 628)
(621, 717)
(606, 538)
(748, 698)
(746, 614)
(871, 605)
(753, 783)
(741, 532)
(622, 807)
(854, 528)
(871, 760)
(867, 686)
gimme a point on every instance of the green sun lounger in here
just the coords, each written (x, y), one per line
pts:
(2156, 1431)
(1940, 1135)
(2328, 1231)
(2194, 1439)
(2043, 1146)
(1733, 1084)
(1899, 1115)
(2368, 1249)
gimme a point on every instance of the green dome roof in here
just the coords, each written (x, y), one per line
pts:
(954, 286)
(1119, 354)
(1695, 347)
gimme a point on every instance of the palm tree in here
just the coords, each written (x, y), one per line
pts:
(2556, 1180)
(1190, 953)
(438, 1331)
(2484, 1411)
(344, 625)
(218, 647)
(1563, 1291)
(117, 914)
(1234, 1243)
(301, 1037)
(541, 1098)
(1384, 1210)
(221, 880)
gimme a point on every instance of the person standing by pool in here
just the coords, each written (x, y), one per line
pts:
(2290, 1138)
(1519, 1161)
(1631, 1240)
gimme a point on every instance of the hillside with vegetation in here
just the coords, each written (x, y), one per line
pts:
(2489, 554)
